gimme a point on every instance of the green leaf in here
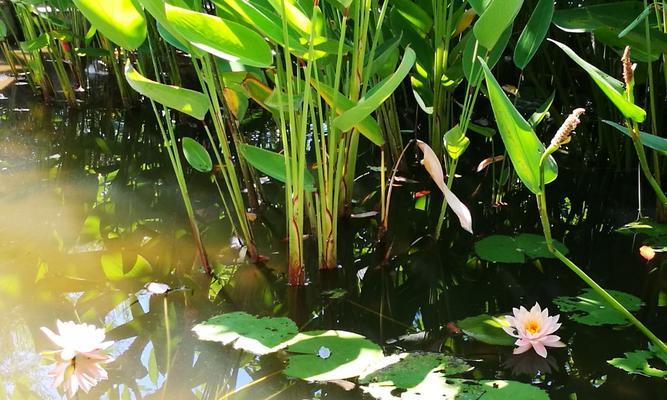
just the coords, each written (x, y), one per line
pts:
(272, 164)
(534, 33)
(535, 246)
(636, 21)
(644, 226)
(368, 126)
(169, 37)
(3, 30)
(479, 6)
(434, 386)
(472, 69)
(246, 332)
(196, 155)
(495, 20)
(225, 39)
(503, 390)
(611, 87)
(456, 142)
(499, 248)
(410, 369)
(637, 362)
(153, 372)
(411, 13)
(542, 111)
(37, 43)
(347, 355)
(122, 21)
(652, 141)
(521, 142)
(380, 93)
(115, 268)
(186, 101)
(487, 329)
(590, 309)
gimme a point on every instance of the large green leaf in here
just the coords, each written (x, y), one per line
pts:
(521, 143)
(590, 309)
(122, 21)
(272, 164)
(647, 139)
(513, 250)
(186, 101)
(377, 95)
(611, 87)
(503, 390)
(255, 335)
(534, 33)
(368, 126)
(487, 329)
(225, 39)
(637, 362)
(408, 370)
(330, 355)
(472, 69)
(196, 155)
(497, 17)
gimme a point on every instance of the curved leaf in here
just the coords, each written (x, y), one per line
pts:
(380, 93)
(497, 17)
(611, 87)
(472, 71)
(122, 21)
(272, 164)
(186, 101)
(196, 155)
(521, 143)
(487, 329)
(534, 33)
(225, 39)
(655, 142)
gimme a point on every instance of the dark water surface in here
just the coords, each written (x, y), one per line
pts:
(89, 213)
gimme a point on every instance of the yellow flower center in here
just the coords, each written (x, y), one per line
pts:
(532, 327)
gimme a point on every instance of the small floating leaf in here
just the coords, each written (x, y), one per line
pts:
(637, 362)
(590, 309)
(513, 250)
(255, 335)
(350, 355)
(487, 329)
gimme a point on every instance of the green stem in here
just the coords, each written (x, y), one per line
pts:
(633, 129)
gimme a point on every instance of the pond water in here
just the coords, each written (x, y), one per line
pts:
(90, 213)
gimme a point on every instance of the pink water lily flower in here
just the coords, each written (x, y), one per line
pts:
(534, 329)
(78, 363)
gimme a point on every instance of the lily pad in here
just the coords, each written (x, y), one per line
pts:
(247, 332)
(637, 362)
(514, 250)
(591, 309)
(503, 390)
(644, 226)
(487, 329)
(411, 369)
(348, 355)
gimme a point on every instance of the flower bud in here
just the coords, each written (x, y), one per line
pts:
(570, 124)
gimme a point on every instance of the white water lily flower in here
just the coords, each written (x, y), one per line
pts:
(78, 363)
(533, 329)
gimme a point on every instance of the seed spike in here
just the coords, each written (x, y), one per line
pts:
(570, 124)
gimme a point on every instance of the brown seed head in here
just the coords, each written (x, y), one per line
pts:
(628, 67)
(570, 124)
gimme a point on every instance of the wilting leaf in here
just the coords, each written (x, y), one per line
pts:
(647, 139)
(521, 142)
(196, 155)
(272, 164)
(611, 87)
(488, 161)
(255, 335)
(487, 329)
(456, 142)
(225, 39)
(368, 126)
(590, 309)
(534, 33)
(122, 21)
(410, 369)
(637, 362)
(433, 167)
(498, 16)
(186, 101)
(350, 355)
(377, 95)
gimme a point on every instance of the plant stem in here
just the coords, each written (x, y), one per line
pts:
(633, 129)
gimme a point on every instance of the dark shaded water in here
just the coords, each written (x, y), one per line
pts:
(89, 213)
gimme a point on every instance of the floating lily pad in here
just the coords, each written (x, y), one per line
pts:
(347, 355)
(644, 226)
(249, 333)
(410, 369)
(503, 390)
(514, 250)
(591, 309)
(487, 329)
(639, 362)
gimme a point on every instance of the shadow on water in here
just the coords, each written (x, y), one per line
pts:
(90, 214)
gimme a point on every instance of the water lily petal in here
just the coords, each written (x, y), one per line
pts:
(522, 349)
(540, 349)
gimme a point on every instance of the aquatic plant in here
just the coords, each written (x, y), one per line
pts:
(80, 358)
(533, 329)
